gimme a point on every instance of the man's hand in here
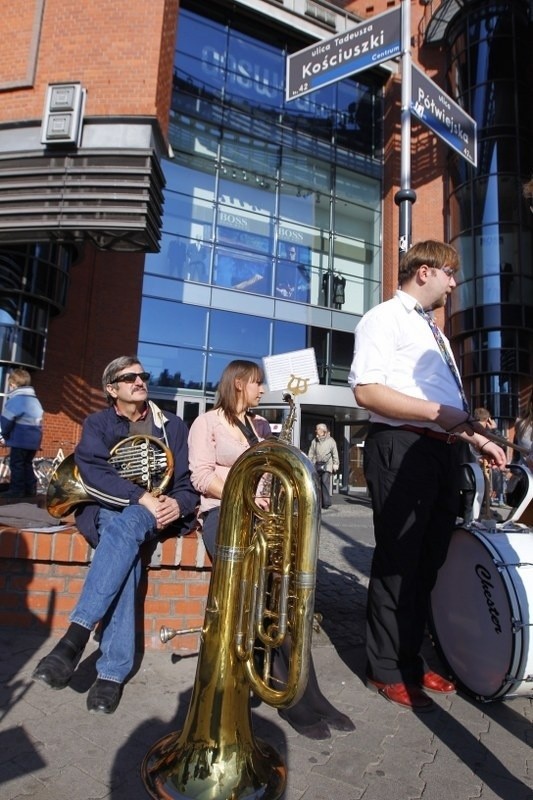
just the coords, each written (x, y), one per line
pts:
(494, 454)
(165, 509)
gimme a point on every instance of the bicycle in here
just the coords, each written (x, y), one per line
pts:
(44, 467)
(5, 472)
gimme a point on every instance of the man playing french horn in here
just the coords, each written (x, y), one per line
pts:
(122, 509)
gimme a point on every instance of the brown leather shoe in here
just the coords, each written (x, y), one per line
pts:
(434, 683)
(410, 697)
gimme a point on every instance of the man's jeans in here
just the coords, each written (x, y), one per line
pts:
(110, 589)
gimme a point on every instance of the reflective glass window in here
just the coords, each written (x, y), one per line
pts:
(172, 323)
(239, 333)
(254, 202)
(358, 127)
(319, 339)
(254, 71)
(287, 337)
(173, 367)
(341, 356)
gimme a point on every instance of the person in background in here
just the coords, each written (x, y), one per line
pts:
(517, 481)
(325, 456)
(404, 373)
(339, 290)
(495, 479)
(21, 426)
(216, 440)
(120, 517)
(523, 430)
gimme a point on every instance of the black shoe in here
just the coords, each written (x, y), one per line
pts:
(57, 667)
(316, 729)
(104, 696)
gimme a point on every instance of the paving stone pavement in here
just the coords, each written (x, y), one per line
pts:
(51, 748)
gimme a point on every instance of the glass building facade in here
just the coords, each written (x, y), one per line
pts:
(33, 288)
(490, 71)
(272, 218)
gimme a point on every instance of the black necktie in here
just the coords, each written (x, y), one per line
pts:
(447, 356)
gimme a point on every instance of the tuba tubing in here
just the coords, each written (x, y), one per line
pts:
(215, 755)
(141, 459)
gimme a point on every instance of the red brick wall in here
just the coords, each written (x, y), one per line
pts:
(41, 576)
(100, 322)
(120, 50)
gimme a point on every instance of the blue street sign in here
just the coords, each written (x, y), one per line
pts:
(443, 116)
(375, 40)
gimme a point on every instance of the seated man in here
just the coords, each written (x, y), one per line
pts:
(119, 518)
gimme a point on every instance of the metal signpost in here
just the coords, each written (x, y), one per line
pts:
(406, 196)
(373, 41)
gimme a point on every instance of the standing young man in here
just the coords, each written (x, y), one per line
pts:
(121, 517)
(404, 373)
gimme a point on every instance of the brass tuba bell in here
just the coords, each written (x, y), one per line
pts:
(145, 460)
(261, 596)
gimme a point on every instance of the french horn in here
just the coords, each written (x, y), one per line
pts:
(145, 460)
(261, 597)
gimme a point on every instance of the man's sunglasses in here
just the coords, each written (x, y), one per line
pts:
(131, 377)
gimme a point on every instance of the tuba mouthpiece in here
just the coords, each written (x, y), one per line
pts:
(166, 634)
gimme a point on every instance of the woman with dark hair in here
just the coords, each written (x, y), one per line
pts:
(220, 436)
(217, 438)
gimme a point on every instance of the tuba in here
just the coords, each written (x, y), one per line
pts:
(261, 595)
(145, 460)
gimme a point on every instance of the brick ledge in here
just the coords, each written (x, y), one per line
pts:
(68, 546)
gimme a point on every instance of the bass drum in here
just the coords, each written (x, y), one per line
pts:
(481, 609)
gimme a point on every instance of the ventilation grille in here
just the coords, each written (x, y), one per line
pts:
(115, 200)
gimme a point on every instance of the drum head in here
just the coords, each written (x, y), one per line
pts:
(471, 616)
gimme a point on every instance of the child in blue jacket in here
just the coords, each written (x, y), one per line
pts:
(21, 426)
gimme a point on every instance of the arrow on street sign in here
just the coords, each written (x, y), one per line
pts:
(446, 119)
(375, 40)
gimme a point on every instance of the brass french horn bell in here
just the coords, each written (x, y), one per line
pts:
(145, 460)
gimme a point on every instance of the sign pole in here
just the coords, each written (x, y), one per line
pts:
(405, 197)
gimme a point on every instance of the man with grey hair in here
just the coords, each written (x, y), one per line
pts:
(325, 456)
(120, 516)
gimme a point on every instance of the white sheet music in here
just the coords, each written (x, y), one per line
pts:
(293, 371)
